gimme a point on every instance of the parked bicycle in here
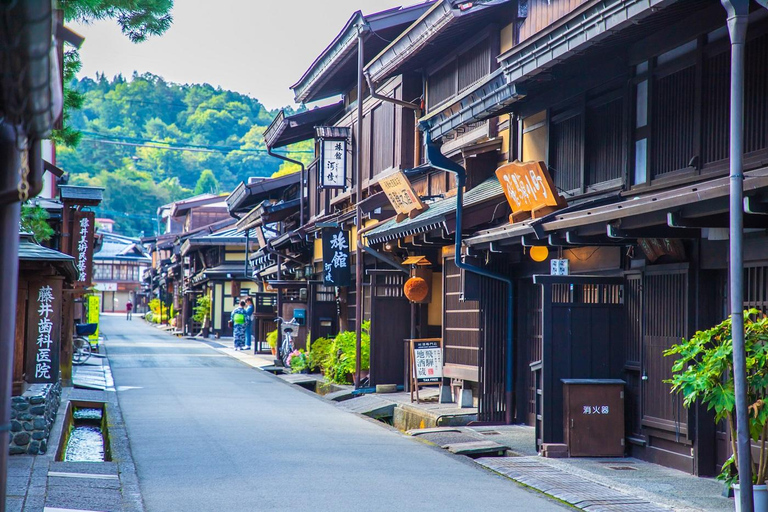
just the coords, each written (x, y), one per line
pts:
(81, 345)
(290, 330)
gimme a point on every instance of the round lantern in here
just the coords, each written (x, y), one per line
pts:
(416, 289)
(539, 253)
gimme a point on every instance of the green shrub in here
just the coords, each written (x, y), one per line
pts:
(340, 365)
(202, 308)
(298, 360)
(272, 339)
(319, 352)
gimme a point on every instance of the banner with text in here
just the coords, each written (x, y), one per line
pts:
(336, 262)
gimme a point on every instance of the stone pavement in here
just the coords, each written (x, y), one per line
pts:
(41, 483)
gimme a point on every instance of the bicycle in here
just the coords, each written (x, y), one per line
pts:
(81, 346)
(290, 330)
(81, 350)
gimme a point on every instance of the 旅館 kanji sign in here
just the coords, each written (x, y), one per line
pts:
(43, 331)
(529, 189)
(332, 166)
(336, 262)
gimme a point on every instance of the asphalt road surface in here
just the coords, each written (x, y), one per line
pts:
(209, 433)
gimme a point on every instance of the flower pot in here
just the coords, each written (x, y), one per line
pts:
(759, 497)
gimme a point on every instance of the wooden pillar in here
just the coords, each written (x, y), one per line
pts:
(67, 332)
(18, 349)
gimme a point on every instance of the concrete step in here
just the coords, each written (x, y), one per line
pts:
(477, 449)
(369, 405)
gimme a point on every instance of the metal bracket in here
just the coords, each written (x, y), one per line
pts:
(751, 205)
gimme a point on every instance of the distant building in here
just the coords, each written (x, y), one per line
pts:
(117, 272)
(105, 225)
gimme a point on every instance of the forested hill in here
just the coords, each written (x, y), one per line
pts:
(204, 128)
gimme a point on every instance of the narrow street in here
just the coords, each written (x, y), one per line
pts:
(210, 433)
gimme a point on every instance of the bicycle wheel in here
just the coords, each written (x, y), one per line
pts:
(81, 351)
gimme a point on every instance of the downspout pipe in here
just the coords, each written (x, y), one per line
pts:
(301, 181)
(436, 159)
(738, 18)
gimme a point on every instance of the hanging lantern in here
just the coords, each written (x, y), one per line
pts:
(416, 289)
(539, 253)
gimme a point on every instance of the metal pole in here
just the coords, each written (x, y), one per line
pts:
(9, 262)
(359, 213)
(738, 11)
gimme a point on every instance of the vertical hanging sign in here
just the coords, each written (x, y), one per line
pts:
(83, 234)
(336, 257)
(333, 163)
(43, 331)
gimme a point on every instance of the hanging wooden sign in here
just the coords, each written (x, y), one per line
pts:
(401, 195)
(336, 262)
(82, 247)
(333, 163)
(529, 190)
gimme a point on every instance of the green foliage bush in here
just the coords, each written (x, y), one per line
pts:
(704, 372)
(202, 308)
(34, 219)
(319, 352)
(272, 339)
(340, 365)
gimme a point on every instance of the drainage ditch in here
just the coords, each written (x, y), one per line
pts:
(85, 438)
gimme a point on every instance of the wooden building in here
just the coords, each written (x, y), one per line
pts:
(639, 148)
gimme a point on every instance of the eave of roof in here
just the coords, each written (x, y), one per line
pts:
(340, 54)
(428, 36)
(246, 196)
(285, 130)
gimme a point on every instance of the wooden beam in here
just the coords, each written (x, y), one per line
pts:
(651, 232)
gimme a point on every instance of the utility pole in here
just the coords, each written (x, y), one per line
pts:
(358, 211)
(738, 16)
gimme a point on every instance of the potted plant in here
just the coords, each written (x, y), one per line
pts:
(298, 360)
(704, 371)
(272, 341)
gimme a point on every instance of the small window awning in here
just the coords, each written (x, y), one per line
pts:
(285, 130)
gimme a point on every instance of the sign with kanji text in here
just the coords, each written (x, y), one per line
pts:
(427, 361)
(528, 186)
(336, 262)
(83, 230)
(400, 193)
(43, 331)
(333, 163)
(559, 267)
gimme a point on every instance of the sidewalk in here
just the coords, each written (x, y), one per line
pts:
(593, 484)
(40, 483)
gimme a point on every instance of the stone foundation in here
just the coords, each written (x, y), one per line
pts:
(32, 416)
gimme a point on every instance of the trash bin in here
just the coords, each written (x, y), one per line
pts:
(594, 417)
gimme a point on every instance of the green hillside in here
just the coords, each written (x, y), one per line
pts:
(198, 126)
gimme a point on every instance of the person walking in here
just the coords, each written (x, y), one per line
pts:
(248, 322)
(129, 310)
(237, 322)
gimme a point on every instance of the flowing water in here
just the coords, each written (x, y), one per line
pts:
(86, 440)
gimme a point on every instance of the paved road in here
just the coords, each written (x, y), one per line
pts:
(209, 433)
